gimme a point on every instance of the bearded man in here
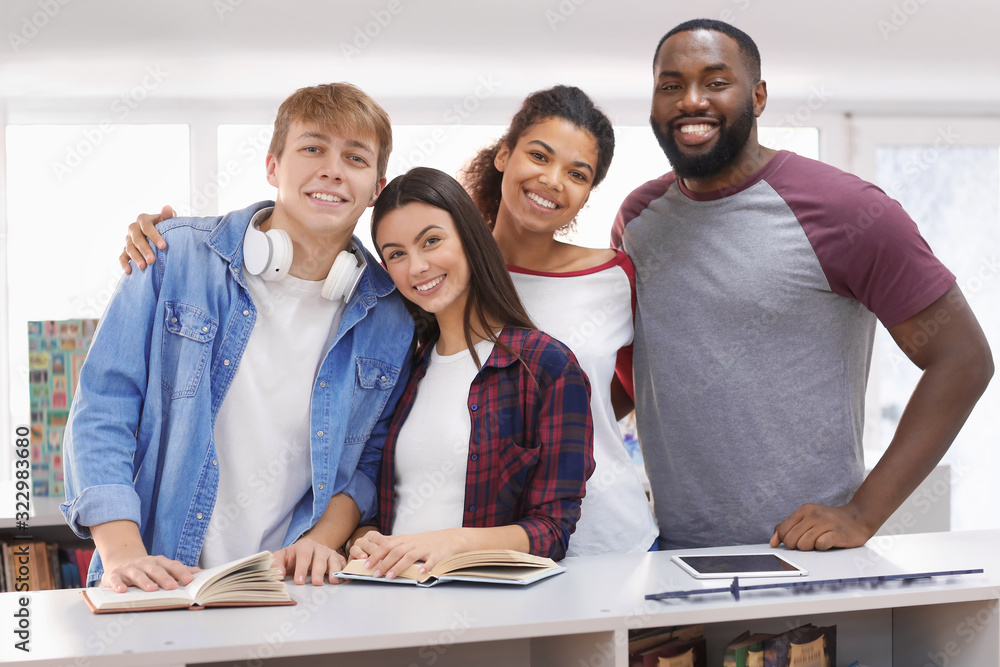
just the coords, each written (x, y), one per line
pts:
(760, 276)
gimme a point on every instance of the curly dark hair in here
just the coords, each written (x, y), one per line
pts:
(481, 177)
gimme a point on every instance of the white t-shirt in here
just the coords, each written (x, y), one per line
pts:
(432, 450)
(590, 311)
(262, 430)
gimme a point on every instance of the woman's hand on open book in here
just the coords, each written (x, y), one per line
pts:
(146, 572)
(307, 556)
(392, 554)
(137, 247)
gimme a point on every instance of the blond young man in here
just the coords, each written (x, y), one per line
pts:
(237, 393)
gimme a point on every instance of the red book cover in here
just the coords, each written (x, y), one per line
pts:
(88, 555)
(82, 557)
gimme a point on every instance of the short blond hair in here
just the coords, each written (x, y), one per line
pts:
(340, 106)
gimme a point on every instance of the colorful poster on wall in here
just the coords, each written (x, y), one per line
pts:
(56, 350)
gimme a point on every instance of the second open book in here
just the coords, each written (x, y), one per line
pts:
(486, 566)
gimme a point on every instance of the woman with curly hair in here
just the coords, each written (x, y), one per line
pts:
(529, 185)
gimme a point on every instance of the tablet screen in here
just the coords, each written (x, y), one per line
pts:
(739, 565)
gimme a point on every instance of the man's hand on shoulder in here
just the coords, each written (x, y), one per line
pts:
(141, 234)
(309, 557)
(821, 527)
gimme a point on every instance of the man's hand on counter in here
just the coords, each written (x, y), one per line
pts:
(822, 527)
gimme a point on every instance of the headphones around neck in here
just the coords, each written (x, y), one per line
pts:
(269, 255)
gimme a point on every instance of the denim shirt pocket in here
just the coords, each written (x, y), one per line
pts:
(187, 347)
(373, 386)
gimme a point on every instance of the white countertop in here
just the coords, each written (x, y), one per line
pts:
(596, 594)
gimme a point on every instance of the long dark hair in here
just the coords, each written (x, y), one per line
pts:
(481, 177)
(492, 296)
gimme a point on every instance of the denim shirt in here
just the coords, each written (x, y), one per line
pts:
(139, 444)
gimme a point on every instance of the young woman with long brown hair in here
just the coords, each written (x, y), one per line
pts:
(491, 443)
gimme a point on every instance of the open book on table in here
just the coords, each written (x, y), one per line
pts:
(486, 566)
(247, 582)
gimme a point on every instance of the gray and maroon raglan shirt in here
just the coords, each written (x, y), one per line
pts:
(756, 309)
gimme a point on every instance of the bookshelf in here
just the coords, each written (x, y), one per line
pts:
(46, 524)
(46, 515)
(576, 619)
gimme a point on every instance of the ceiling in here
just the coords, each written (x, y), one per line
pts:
(915, 56)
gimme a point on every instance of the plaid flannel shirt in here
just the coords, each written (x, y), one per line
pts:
(531, 449)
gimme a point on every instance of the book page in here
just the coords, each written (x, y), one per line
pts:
(685, 659)
(812, 654)
(215, 584)
(245, 580)
(105, 598)
(495, 564)
(357, 566)
(498, 572)
(490, 557)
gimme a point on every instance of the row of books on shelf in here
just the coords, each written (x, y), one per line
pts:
(37, 565)
(804, 646)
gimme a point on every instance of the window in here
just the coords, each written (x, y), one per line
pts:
(946, 174)
(953, 194)
(242, 173)
(71, 190)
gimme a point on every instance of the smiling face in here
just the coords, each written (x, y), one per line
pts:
(425, 258)
(325, 181)
(705, 106)
(547, 175)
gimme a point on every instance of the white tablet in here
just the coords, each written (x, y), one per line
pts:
(727, 566)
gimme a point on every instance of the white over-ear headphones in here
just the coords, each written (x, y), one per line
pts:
(269, 255)
(345, 274)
